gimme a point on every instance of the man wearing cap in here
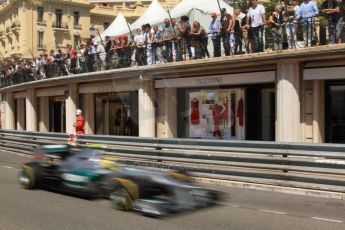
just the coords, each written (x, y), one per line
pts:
(80, 122)
(215, 34)
(256, 20)
(225, 21)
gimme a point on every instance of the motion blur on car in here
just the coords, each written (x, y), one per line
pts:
(89, 173)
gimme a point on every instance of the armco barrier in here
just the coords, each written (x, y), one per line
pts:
(308, 166)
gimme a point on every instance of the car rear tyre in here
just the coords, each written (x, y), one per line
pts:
(30, 176)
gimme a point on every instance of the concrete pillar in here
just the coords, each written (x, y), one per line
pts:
(318, 111)
(31, 110)
(44, 115)
(71, 107)
(89, 113)
(167, 114)
(9, 111)
(146, 106)
(20, 114)
(288, 127)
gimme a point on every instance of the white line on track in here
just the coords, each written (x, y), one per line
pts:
(5, 166)
(328, 220)
(232, 205)
(274, 212)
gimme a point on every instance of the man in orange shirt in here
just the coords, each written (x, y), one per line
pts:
(80, 122)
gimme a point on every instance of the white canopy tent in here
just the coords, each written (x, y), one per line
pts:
(200, 10)
(154, 14)
(117, 27)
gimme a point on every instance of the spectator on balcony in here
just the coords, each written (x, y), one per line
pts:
(199, 40)
(71, 59)
(81, 58)
(91, 52)
(255, 21)
(290, 17)
(58, 62)
(101, 56)
(215, 34)
(185, 29)
(247, 35)
(341, 30)
(127, 50)
(157, 44)
(307, 12)
(167, 35)
(331, 9)
(138, 55)
(177, 38)
(108, 51)
(276, 21)
(236, 27)
(148, 39)
(226, 23)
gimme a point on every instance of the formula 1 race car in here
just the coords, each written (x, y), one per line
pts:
(88, 173)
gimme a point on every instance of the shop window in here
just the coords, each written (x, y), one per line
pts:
(117, 114)
(213, 114)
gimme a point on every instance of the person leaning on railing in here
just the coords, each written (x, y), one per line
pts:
(157, 44)
(307, 12)
(290, 19)
(185, 29)
(177, 40)
(276, 21)
(215, 34)
(167, 34)
(199, 40)
(331, 9)
(238, 34)
(341, 31)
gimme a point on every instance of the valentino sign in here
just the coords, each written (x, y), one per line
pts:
(209, 81)
(225, 79)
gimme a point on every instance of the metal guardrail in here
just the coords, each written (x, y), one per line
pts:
(309, 166)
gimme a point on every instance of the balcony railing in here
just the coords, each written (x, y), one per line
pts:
(77, 27)
(42, 23)
(41, 47)
(60, 26)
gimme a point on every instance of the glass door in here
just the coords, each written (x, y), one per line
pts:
(335, 110)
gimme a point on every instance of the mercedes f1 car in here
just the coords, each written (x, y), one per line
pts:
(89, 173)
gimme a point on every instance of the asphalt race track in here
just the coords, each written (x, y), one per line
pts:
(243, 209)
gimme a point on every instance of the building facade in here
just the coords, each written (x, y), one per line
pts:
(290, 96)
(31, 27)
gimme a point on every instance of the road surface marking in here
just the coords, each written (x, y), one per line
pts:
(232, 205)
(270, 211)
(5, 166)
(329, 220)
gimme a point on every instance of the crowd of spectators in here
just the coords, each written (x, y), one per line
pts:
(178, 40)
